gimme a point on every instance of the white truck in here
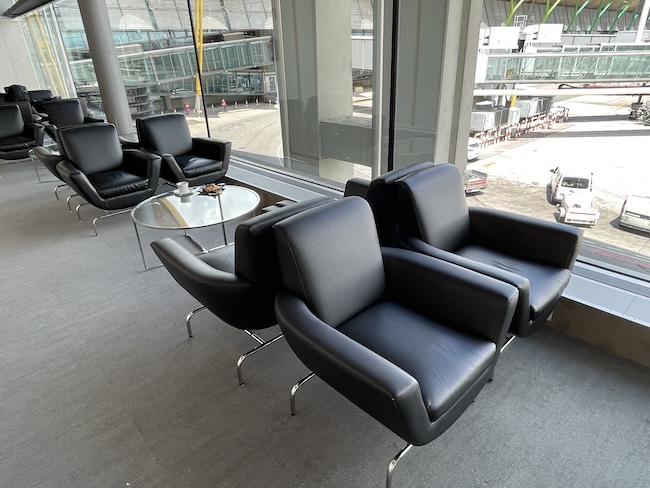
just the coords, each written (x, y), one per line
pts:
(577, 209)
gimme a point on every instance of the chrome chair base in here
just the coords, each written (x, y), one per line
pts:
(107, 214)
(261, 346)
(261, 343)
(67, 200)
(187, 321)
(294, 390)
(393, 463)
(56, 190)
(509, 339)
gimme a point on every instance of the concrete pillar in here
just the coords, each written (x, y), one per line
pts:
(436, 62)
(94, 15)
(315, 79)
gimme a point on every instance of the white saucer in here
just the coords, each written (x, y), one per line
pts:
(179, 194)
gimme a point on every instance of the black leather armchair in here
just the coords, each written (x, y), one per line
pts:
(534, 255)
(197, 160)
(101, 172)
(65, 112)
(381, 194)
(409, 339)
(238, 283)
(38, 98)
(17, 137)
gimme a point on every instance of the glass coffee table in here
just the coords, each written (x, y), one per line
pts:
(194, 210)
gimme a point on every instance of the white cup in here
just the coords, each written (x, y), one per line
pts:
(183, 187)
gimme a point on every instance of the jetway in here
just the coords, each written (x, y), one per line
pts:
(575, 92)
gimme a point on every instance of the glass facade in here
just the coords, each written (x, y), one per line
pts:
(296, 85)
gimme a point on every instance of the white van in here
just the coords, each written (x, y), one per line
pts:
(573, 181)
(473, 149)
(635, 213)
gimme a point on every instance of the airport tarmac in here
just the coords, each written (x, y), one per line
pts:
(598, 136)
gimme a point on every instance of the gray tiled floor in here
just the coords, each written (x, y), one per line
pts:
(100, 386)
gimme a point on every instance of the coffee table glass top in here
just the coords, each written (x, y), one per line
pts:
(173, 212)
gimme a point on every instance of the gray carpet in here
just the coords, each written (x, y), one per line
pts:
(100, 386)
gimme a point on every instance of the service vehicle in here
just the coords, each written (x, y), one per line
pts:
(574, 181)
(578, 209)
(635, 213)
(474, 181)
(473, 149)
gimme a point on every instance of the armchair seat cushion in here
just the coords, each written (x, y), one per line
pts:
(16, 143)
(117, 182)
(445, 362)
(196, 166)
(222, 258)
(545, 280)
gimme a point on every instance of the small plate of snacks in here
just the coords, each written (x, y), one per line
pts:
(213, 189)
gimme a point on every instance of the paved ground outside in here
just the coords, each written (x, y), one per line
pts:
(598, 136)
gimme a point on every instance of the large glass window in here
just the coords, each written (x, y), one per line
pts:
(295, 86)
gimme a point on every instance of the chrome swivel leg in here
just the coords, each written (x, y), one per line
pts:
(78, 207)
(393, 463)
(262, 345)
(509, 340)
(67, 200)
(294, 390)
(188, 318)
(56, 190)
(108, 214)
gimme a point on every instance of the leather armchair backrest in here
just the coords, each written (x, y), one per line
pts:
(64, 113)
(432, 206)
(38, 99)
(11, 121)
(92, 148)
(382, 197)
(256, 258)
(25, 111)
(40, 95)
(165, 133)
(330, 258)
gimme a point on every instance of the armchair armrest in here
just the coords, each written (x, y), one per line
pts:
(222, 292)
(521, 315)
(78, 182)
(90, 120)
(373, 383)
(356, 187)
(526, 237)
(213, 148)
(128, 143)
(450, 294)
(143, 164)
(36, 132)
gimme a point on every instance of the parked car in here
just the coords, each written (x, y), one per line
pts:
(573, 181)
(635, 213)
(578, 209)
(473, 149)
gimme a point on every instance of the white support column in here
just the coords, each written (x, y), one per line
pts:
(642, 21)
(457, 84)
(316, 80)
(437, 49)
(104, 55)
